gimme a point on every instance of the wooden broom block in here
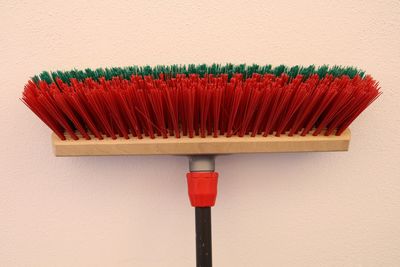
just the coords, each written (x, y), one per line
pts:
(198, 145)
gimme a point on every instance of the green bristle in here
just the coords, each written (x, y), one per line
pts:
(183, 70)
(72, 74)
(294, 71)
(213, 69)
(125, 73)
(45, 76)
(228, 67)
(90, 74)
(35, 79)
(192, 68)
(252, 69)
(307, 71)
(69, 75)
(279, 70)
(80, 74)
(117, 72)
(333, 70)
(322, 71)
(351, 72)
(112, 72)
(218, 68)
(157, 70)
(172, 70)
(266, 69)
(54, 75)
(201, 70)
(107, 74)
(100, 73)
(239, 68)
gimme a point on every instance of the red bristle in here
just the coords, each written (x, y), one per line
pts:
(171, 99)
(102, 97)
(120, 96)
(144, 113)
(370, 96)
(63, 105)
(45, 119)
(168, 119)
(155, 97)
(314, 93)
(286, 96)
(126, 98)
(49, 104)
(83, 95)
(131, 101)
(210, 118)
(247, 86)
(204, 106)
(210, 121)
(94, 100)
(189, 99)
(216, 108)
(29, 98)
(141, 104)
(356, 99)
(252, 105)
(280, 95)
(355, 114)
(265, 100)
(77, 99)
(115, 106)
(181, 98)
(298, 94)
(237, 96)
(81, 109)
(196, 108)
(225, 104)
(341, 100)
(154, 111)
(238, 119)
(328, 92)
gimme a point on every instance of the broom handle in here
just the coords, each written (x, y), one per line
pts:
(199, 165)
(203, 237)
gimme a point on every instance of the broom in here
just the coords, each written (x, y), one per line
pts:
(200, 111)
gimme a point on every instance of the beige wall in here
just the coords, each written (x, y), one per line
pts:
(322, 209)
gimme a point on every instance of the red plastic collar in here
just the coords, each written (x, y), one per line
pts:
(202, 187)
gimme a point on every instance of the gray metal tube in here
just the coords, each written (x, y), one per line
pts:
(202, 163)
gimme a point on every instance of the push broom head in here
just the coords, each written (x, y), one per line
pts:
(200, 107)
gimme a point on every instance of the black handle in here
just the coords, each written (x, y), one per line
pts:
(203, 237)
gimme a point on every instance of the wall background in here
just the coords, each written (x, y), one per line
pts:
(323, 209)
